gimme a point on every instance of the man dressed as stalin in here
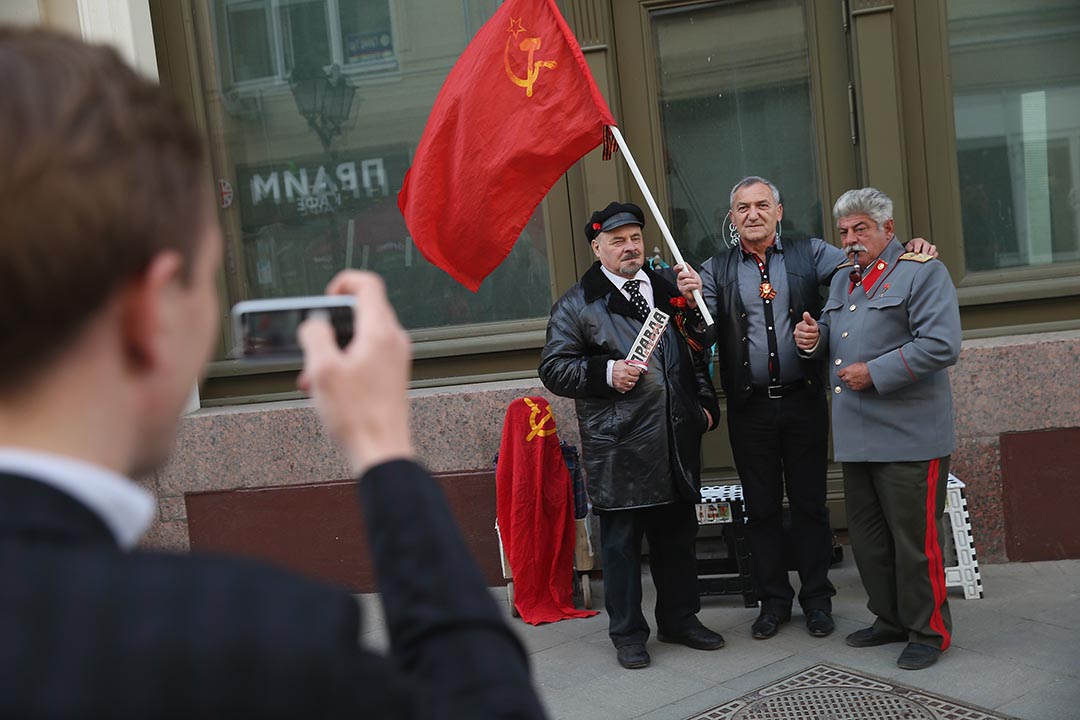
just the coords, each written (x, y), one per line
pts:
(891, 328)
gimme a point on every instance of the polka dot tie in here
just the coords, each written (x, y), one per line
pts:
(640, 303)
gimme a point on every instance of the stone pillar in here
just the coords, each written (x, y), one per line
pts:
(124, 24)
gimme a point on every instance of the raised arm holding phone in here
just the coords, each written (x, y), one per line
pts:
(109, 254)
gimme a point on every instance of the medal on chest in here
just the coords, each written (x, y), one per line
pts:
(767, 291)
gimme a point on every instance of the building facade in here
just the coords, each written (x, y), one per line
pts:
(967, 112)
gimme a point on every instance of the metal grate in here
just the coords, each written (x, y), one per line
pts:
(826, 691)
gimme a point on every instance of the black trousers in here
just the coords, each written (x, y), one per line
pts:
(671, 530)
(782, 444)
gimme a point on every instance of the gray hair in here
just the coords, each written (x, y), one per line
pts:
(752, 180)
(864, 201)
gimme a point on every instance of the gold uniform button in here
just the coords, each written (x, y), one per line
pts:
(844, 334)
(836, 389)
(836, 361)
(852, 308)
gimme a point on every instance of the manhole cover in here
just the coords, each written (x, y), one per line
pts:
(834, 704)
(826, 692)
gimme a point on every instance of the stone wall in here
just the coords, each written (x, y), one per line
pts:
(1001, 385)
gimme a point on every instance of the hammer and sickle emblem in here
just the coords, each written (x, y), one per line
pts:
(532, 69)
(537, 428)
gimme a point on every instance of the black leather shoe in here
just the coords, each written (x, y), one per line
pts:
(869, 637)
(699, 638)
(632, 657)
(819, 623)
(917, 656)
(766, 625)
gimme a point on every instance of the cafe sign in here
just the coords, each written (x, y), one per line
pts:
(299, 190)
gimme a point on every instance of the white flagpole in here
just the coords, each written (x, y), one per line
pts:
(659, 218)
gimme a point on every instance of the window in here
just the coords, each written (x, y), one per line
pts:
(305, 217)
(305, 35)
(1016, 99)
(719, 102)
(304, 195)
(365, 33)
(264, 40)
(250, 50)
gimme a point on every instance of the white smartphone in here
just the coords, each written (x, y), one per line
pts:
(266, 329)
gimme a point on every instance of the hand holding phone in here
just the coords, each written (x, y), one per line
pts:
(267, 329)
(361, 391)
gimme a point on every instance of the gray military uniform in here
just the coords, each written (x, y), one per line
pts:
(894, 438)
(908, 333)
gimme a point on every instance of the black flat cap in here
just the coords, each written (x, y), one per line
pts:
(613, 216)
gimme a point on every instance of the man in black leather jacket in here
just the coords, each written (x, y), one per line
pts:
(640, 431)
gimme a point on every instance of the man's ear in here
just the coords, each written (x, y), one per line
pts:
(779, 211)
(596, 248)
(149, 311)
(888, 227)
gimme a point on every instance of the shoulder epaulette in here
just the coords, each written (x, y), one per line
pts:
(917, 257)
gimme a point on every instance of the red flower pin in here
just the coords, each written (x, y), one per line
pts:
(678, 302)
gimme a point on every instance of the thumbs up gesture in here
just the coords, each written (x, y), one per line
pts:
(807, 333)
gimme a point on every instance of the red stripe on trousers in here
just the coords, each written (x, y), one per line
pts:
(933, 554)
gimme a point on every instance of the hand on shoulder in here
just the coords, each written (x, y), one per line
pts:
(922, 246)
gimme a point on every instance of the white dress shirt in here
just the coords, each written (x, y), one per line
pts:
(125, 508)
(645, 287)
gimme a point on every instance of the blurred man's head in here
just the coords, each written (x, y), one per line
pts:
(109, 247)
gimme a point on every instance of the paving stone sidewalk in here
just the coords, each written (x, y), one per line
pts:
(1016, 651)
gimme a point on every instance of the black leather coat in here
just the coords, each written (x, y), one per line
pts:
(641, 448)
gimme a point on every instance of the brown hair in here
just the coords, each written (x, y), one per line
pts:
(99, 172)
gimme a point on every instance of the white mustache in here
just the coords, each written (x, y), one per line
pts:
(856, 248)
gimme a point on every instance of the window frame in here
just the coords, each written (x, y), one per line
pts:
(227, 49)
(934, 185)
(220, 15)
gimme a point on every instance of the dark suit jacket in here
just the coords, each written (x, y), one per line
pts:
(87, 630)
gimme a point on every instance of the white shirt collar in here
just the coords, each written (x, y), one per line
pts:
(618, 280)
(125, 508)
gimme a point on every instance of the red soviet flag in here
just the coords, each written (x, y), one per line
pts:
(517, 110)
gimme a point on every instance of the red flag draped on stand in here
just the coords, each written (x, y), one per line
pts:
(535, 510)
(517, 110)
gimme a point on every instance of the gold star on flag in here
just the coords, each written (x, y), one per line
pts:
(519, 27)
